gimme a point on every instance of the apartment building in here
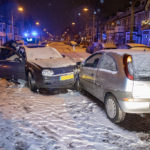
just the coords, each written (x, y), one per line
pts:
(117, 28)
(10, 25)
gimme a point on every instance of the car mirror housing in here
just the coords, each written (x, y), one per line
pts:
(78, 63)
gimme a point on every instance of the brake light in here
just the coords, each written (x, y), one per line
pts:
(127, 63)
(129, 59)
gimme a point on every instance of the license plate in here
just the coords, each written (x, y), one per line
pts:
(67, 77)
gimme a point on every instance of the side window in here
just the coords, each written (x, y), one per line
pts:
(92, 61)
(108, 63)
(9, 55)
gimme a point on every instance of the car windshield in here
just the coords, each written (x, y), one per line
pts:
(141, 66)
(42, 53)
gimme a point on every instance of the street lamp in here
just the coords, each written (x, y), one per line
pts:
(37, 23)
(93, 22)
(73, 23)
(85, 9)
(20, 9)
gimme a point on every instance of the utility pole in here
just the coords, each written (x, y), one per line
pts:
(132, 21)
(133, 2)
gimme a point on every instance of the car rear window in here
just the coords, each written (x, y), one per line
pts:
(141, 67)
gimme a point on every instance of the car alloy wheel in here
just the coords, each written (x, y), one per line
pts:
(31, 82)
(114, 113)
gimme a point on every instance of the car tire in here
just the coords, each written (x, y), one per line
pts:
(113, 111)
(31, 82)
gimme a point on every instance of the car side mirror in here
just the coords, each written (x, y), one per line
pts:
(78, 63)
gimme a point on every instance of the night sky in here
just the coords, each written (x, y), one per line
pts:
(55, 15)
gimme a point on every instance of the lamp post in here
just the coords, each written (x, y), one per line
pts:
(37, 23)
(20, 9)
(93, 22)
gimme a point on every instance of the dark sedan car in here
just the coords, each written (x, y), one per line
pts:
(42, 67)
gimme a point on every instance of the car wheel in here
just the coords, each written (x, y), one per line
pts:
(31, 82)
(113, 111)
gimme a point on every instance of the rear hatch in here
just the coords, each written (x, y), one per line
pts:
(141, 75)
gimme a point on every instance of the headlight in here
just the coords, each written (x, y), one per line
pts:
(47, 73)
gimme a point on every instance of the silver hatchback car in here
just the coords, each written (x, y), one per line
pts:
(120, 79)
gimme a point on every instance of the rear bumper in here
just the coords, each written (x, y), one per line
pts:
(135, 106)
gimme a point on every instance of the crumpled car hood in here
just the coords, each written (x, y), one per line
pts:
(53, 63)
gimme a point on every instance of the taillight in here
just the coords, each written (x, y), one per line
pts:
(128, 66)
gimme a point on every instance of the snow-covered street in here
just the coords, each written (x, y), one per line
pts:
(71, 120)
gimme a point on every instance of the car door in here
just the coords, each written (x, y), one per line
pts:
(12, 66)
(106, 76)
(88, 72)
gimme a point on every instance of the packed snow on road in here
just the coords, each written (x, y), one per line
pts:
(64, 121)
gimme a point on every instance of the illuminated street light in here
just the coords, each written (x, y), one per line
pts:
(93, 16)
(37, 23)
(20, 9)
(73, 23)
(85, 9)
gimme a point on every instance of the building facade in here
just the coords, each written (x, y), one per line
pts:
(117, 29)
(10, 25)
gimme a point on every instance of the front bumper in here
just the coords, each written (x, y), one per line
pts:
(55, 82)
(135, 106)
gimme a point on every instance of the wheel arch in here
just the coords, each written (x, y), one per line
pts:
(29, 70)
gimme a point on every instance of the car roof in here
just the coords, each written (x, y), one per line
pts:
(109, 45)
(122, 52)
(136, 45)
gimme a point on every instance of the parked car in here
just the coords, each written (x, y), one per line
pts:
(42, 67)
(120, 79)
(136, 46)
(108, 45)
(100, 46)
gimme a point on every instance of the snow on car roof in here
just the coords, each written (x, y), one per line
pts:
(125, 51)
(109, 45)
(136, 45)
(41, 53)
